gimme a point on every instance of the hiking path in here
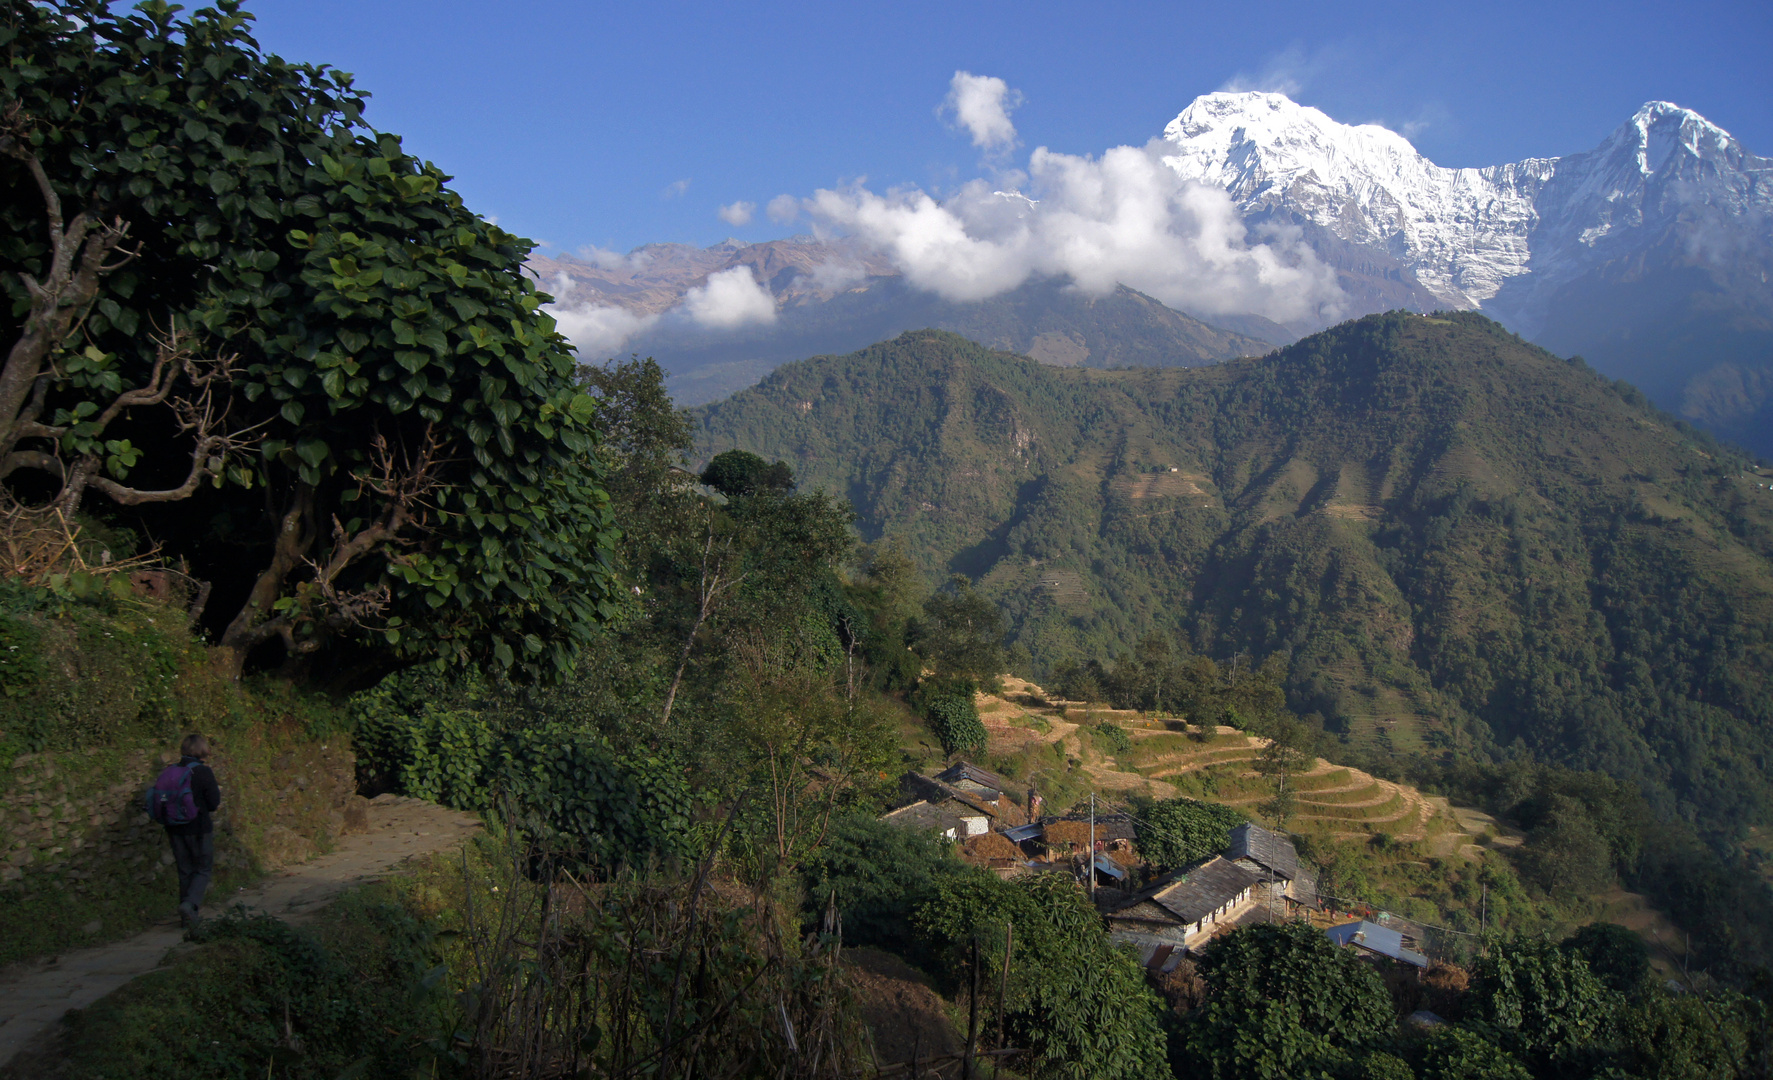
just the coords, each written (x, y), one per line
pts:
(35, 994)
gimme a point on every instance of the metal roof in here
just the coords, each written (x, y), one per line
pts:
(1268, 849)
(1025, 832)
(1375, 938)
(1111, 868)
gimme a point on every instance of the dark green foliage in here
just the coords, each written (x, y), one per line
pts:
(1544, 1002)
(265, 998)
(1451, 1052)
(879, 874)
(569, 790)
(1078, 1003)
(1282, 1000)
(948, 706)
(1111, 738)
(1665, 1036)
(382, 330)
(1616, 956)
(1175, 832)
(960, 634)
(738, 472)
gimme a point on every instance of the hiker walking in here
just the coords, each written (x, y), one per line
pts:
(182, 799)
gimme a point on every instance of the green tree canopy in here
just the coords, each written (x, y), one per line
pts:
(270, 338)
(1078, 1003)
(961, 634)
(740, 472)
(1176, 832)
(1282, 1000)
(1543, 1000)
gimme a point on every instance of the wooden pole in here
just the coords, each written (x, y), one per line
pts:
(966, 1065)
(1091, 861)
(1003, 980)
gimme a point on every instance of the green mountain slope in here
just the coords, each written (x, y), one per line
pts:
(1459, 541)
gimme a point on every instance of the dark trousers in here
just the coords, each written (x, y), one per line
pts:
(195, 858)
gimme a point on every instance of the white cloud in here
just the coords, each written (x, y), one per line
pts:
(599, 330)
(674, 189)
(738, 213)
(1124, 217)
(982, 104)
(783, 209)
(601, 257)
(729, 299)
(838, 275)
(1287, 72)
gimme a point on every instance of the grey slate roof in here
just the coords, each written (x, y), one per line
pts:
(929, 789)
(1196, 892)
(961, 772)
(1375, 938)
(924, 815)
(1270, 850)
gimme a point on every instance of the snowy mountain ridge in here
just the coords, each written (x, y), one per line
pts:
(1501, 237)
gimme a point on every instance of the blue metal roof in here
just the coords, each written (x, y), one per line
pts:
(1025, 832)
(1375, 938)
(1111, 868)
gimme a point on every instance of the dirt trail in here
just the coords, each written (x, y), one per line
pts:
(34, 995)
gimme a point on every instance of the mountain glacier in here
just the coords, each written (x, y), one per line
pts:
(1504, 238)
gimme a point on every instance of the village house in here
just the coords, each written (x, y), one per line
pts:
(1271, 857)
(960, 802)
(1186, 907)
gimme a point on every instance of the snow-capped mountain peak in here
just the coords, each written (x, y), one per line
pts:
(1471, 237)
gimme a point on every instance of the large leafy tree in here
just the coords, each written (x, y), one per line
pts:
(1077, 1003)
(266, 336)
(1283, 1001)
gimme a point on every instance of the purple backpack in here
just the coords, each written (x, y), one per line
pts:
(170, 801)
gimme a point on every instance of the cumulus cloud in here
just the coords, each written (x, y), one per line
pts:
(738, 213)
(728, 300)
(981, 104)
(783, 209)
(1124, 217)
(599, 330)
(674, 189)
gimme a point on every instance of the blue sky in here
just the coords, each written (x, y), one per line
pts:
(616, 125)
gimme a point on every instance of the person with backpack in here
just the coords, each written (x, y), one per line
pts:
(182, 799)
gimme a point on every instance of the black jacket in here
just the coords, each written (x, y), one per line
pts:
(208, 796)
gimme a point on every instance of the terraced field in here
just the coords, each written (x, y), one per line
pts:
(1169, 758)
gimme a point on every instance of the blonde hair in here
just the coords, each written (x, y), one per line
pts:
(195, 746)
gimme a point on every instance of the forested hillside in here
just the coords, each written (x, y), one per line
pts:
(1456, 541)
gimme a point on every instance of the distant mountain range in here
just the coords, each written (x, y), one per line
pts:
(1456, 539)
(1649, 256)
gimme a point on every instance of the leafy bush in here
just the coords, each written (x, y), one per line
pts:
(264, 998)
(1079, 1003)
(1282, 1001)
(880, 874)
(947, 704)
(573, 792)
(1176, 832)
(1111, 738)
(1542, 1000)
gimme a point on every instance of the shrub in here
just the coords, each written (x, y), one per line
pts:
(947, 705)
